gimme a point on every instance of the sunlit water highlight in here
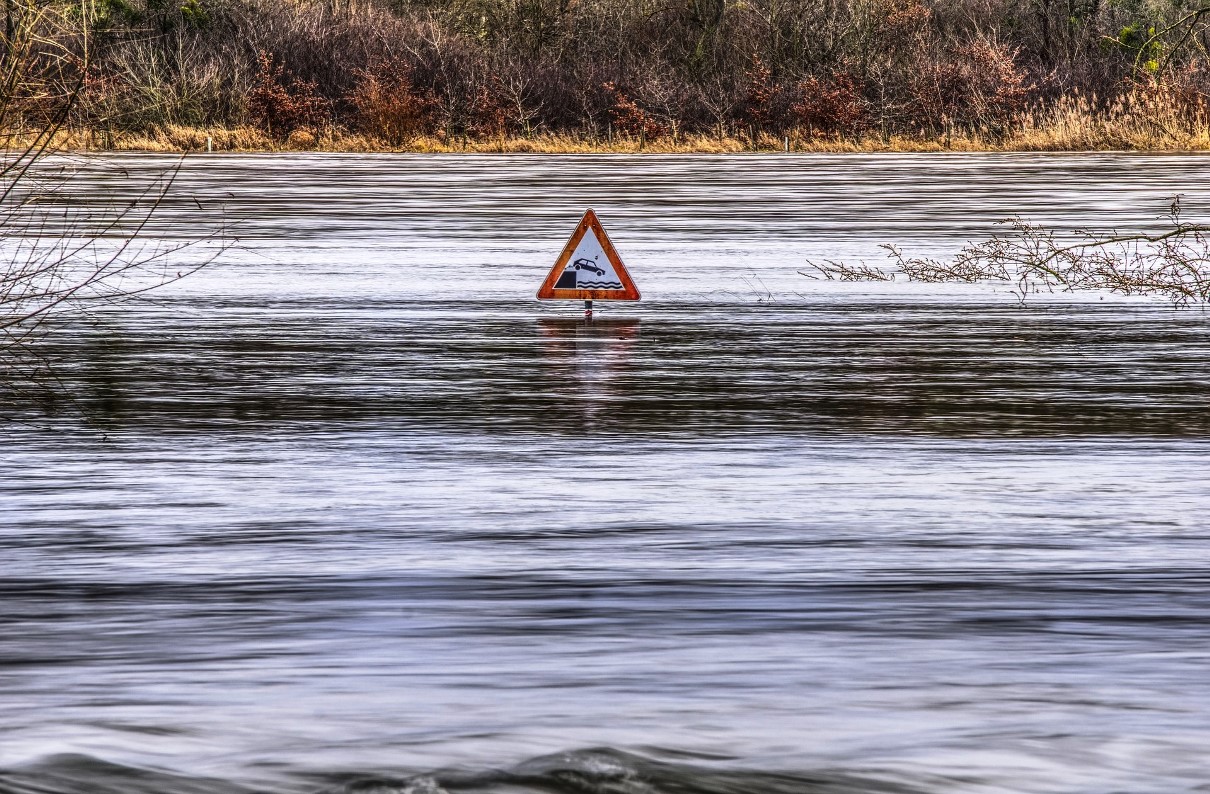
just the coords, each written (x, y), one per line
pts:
(349, 511)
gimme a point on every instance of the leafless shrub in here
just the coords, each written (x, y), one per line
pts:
(521, 98)
(60, 253)
(980, 87)
(1174, 264)
(58, 256)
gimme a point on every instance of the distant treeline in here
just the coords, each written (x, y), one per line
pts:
(644, 69)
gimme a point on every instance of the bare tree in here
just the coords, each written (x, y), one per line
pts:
(56, 257)
(60, 253)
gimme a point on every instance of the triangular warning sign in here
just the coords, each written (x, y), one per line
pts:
(589, 269)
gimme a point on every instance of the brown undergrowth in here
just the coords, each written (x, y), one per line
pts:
(615, 75)
(1068, 126)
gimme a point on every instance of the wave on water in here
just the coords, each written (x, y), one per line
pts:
(593, 771)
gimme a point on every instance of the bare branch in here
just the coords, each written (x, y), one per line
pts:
(1174, 264)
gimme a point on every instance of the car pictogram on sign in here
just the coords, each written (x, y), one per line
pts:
(588, 264)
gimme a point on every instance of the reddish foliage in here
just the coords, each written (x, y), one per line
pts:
(1182, 93)
(388, 106)
(100, 89)
(486, 113)
(630, 119)
(902, 18)
(758, 102)
(997, 85)
(982, 86)
(832, 105)
(282, 106)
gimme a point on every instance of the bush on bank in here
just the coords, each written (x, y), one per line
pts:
(826, 73)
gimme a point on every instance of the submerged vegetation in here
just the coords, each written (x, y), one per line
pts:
(1173, 263)
(568, 75)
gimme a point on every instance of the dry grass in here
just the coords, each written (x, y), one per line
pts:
(1137, 121)
(250, 139)
(1133, 122)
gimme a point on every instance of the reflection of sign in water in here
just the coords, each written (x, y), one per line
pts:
(590, 358)
(589, 268)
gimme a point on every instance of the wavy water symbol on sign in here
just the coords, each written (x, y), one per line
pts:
(584, 273)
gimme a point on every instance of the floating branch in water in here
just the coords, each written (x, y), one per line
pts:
(840, 271)
(1174, 264)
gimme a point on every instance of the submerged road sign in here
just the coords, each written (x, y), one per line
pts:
(589, 268)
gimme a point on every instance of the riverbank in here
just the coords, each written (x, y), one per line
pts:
(899, 75)
(1060, 132)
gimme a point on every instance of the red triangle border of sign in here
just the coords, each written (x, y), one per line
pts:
(629, 291)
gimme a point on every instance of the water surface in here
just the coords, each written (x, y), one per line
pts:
(350, 511)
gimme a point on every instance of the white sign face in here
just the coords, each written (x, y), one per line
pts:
(589, 267)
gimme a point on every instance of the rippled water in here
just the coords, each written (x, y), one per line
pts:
(349, 511)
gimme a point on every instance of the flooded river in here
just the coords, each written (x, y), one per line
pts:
(350, 511)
